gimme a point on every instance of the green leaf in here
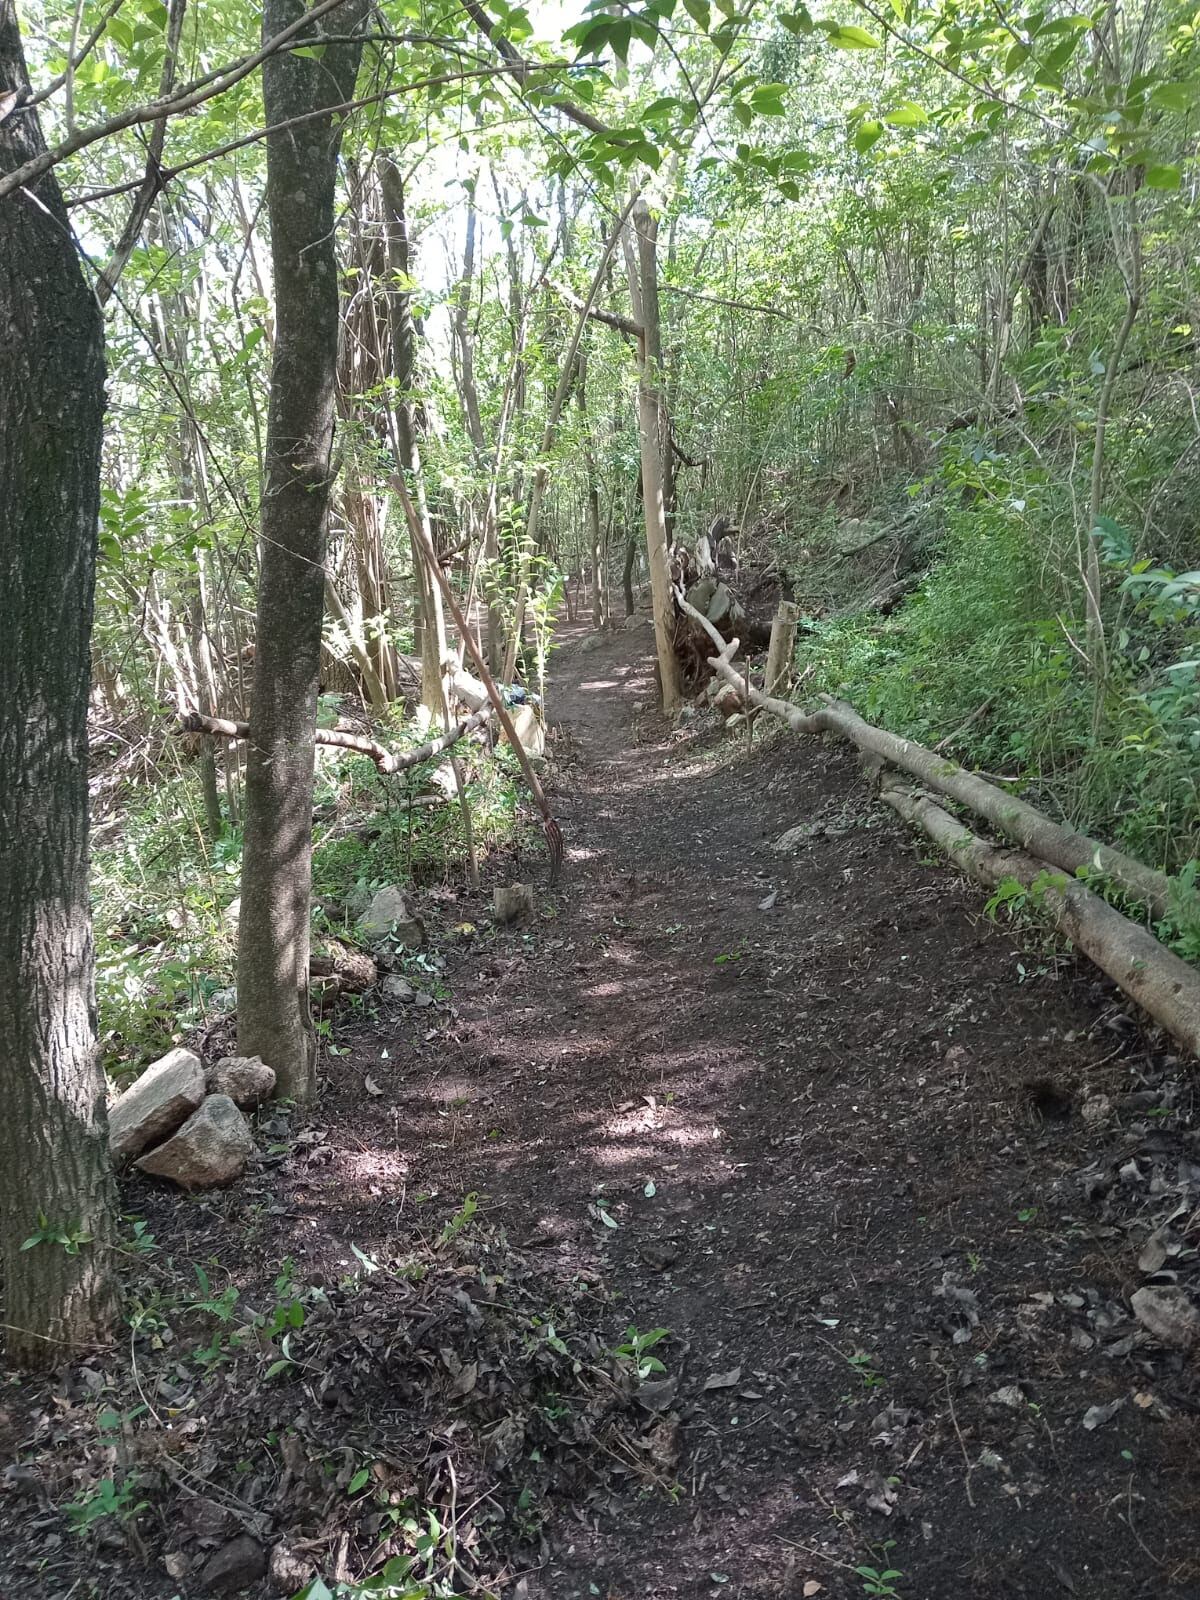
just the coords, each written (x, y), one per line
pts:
(620, 34)
(359, 1481)
(906, 115)
(1016, 57)
(1163, 177)
(866, 134)
(767, 99)
(1173, 96)
(848, 37)
(799, 21)
(699, 12)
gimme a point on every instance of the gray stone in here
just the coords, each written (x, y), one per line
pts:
(247, 1080)
(234, 1566)
(152, 1107)
(398, 988)
(794, 839)
(289, 1571)
(1169, 1315)
(211, 1149)
(514, 903)
(721, 605)
(393, 915)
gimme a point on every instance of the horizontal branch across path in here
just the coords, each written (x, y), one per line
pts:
(387, 761)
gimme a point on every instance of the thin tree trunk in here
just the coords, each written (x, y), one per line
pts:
(591, 497)
(55, 1176)
(431, 639)
(643, 285)
(273, 942)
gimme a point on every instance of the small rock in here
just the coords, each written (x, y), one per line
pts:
(235, 1565)
(1169, 1315)
(177, 1564)
(247, 1080)
(1011, 1395)
(211, 1149)
(1153, 1253)
(1096, 1416)
(223, 1000)
(288, 1571)
(513, 904)
(794, 839)
(393, 915)
(1096, 1109)
(398, 988)
(153, 1106)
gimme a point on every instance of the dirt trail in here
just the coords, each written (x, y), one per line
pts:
(804, 1107)
(833, 1113)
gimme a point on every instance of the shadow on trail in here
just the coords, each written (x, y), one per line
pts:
(779, 1102)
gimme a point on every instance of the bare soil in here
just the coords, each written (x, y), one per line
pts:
(806, 1108)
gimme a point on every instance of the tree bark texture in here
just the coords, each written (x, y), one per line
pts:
(273, 941)
(54, 1150)
(643, 283)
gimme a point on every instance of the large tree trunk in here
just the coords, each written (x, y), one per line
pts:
(55, 1176)
(273, 941)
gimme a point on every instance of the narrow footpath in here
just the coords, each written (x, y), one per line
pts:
(762, 1094)
(860, 1145)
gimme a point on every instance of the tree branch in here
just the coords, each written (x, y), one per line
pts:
(387, 761)
(187, 99)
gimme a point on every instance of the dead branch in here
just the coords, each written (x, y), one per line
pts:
(610, 319)
(1061, 847)
(388, 762)
(1165, 987)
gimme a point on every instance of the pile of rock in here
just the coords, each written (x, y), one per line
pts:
(179, 1122)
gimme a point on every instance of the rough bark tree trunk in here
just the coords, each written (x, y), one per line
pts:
(54, 1165)
(643, 287)
(273, 941)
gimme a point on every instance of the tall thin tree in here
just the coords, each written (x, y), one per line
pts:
(55, 1179)
(300, 91)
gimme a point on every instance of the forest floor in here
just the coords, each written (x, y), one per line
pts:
(882, 1167)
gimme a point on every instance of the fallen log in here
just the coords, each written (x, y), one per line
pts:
(1021, 822)
(386, 761)
(1165, 987)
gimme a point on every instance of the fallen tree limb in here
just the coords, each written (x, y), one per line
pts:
(1165, 987)
(1061, 847)
(386, 761)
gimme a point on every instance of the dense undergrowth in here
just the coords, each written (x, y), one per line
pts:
(985, 660)
(165, 894)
